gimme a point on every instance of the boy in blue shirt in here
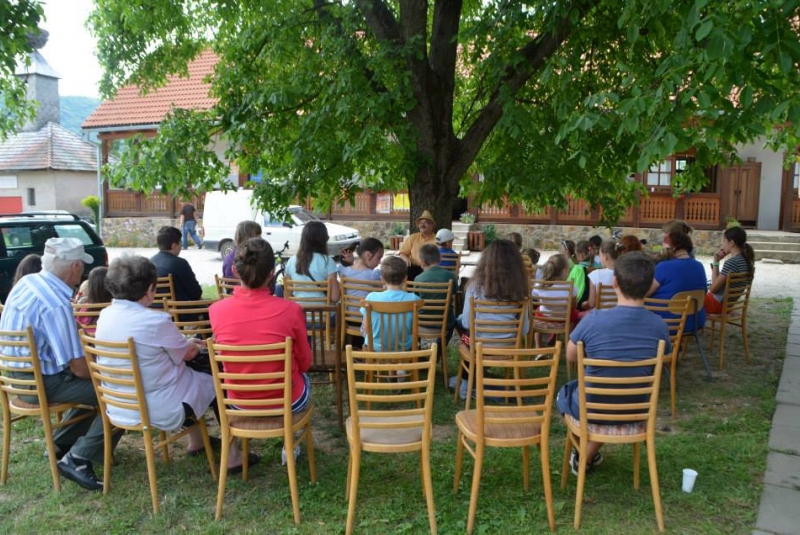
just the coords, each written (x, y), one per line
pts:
(444, 240)
(394, 272)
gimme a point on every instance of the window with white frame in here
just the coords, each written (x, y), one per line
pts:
(796, 179)
(660, 174)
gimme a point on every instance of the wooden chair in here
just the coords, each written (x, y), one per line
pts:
(309, 294)
(528, 388)
(326, 350)
(191, 317)
(117, 379)
(494, 333)
(606, 297)
(390, 420)
(734, 312)
(433, 316)
(258, 416)
(679, 308)
(455, 258)
(12, 343)
(398, 322)
(696, 298)
(165, 291)
(631, 420)
(352, 291)
(87, 314)
(226, 285)
(552, 314)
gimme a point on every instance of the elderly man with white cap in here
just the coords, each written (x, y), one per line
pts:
(42, 300)
(409, 250)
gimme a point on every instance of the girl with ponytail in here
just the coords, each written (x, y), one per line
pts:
(741, 259)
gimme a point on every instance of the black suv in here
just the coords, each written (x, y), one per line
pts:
(26, 233)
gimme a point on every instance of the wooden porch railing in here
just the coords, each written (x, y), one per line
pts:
(657, 209)
(701, 210)
(577, 210)
(122, 203)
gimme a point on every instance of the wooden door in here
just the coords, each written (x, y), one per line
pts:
(740, 187)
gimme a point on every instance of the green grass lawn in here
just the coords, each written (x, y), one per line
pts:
(721, 431)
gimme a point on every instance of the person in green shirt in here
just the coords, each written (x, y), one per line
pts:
(577, 273)
(432, 272)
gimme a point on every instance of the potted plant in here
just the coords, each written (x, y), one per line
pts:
(398, 235)
(468, 218)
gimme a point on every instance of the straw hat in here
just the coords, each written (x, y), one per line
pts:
(427, 215)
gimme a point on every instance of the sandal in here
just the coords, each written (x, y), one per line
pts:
(216, 444)
(252, 459)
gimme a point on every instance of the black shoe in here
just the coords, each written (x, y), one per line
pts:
(80, 471)
(200, 246)
(60, 452)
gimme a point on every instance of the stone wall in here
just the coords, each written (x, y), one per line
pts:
(141, 232)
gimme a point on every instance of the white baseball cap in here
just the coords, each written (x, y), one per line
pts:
(445, 235)
(67, 249)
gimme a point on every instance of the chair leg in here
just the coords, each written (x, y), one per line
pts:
(292, 471)
(201, 423)
(6, 442)
(459, 460)
(162, 436)
(223, 473)
(150, 456)
(245, 456)
(651, 464)
(443, 356)
(673, 377)
(339, 397)
(636, 456)
(470, 383)
(355, 467)
(544, 455)
(526, 467)
(427, 482)
(744, 340)
(47, 426)
(459, 378)
(312, 462)
(721, 344)
(581, 481)
(565, 464)
(476, 484)
(108, 441)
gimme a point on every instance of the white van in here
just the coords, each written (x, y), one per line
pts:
(224, 210)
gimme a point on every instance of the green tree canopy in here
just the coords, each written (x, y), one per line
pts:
(540, 99)
(19, 25)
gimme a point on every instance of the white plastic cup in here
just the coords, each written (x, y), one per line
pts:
(689, 477)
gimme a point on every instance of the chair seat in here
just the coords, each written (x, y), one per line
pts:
(617, 430)
(253, 423)
(467, 421)
(328, 358)
(18, 404)
(718, 317)
(540, 325)
(388, 436)
(430, 332)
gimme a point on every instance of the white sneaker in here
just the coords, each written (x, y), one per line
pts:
(297, 453)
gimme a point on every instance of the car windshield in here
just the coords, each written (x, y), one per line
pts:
(302, 215)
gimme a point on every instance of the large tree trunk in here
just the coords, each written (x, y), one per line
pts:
(433, 192)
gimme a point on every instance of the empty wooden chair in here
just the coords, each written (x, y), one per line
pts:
(487, 325)
(390, 420)
(734, 312)
(117, 379)
(13, 343)
(695, 298)
(678, 310)
(257, 416)
(326, 351)
(226, 285)
(631, 418)
(527, 385)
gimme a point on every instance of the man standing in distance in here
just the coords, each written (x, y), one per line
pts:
(189, 225)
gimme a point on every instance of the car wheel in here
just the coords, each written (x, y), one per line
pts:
(225, 248)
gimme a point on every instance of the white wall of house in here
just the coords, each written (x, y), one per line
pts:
(53, 190)
(769, 201)
(220, 146)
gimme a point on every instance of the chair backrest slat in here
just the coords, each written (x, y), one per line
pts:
(606, 296)
(307, 292)
(87, 314)
(352, 292)
(398, 324)
(191, 317)
(165, 291)
(226, 285)
(18, 353)
(438, 301)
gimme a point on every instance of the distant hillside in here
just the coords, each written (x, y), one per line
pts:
(75, 110)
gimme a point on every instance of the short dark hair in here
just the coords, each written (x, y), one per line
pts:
(371, 245)
(596, 240)
(515, 238)
(429, 254)
(634, 272)
(167, 237)
(394, 270)
(254, 261)
(130, 276)
(680, 241)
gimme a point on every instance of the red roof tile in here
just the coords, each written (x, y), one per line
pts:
(130, 108)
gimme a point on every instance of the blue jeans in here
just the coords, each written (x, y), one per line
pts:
(189, 230)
